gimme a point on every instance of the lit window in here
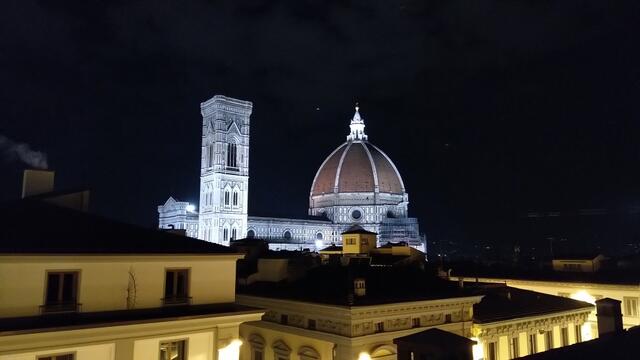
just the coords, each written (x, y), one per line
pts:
(564, 336)
(62, 292)
(549, 339)
(176, 287)
(58, 357)
(533, 343)
(173, 350)
(630, 306)
(380, 327)
(415, 322)
(578, 331)
(492, 350)
(514, 347)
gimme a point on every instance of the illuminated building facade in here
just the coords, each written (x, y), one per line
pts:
(356, 184)
(81, 287)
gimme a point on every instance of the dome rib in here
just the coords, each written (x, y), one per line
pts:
(323, 181)
(336, 184)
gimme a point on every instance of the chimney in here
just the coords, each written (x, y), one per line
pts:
(36, 182)
(359, 287)
(609, 316)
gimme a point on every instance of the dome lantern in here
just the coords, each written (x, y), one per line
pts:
(357, 127)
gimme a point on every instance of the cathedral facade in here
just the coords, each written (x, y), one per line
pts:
(356, 184)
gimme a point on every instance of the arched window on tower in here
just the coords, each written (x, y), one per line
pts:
(235, 197)
(227, 195)
(232, 155)
(234, 234)
(210, 155)
(225, 234)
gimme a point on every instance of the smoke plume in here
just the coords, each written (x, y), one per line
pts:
(14, 150)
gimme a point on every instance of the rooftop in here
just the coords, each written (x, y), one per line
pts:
(332, 285)
(35, 227)
(436, 336)
(503, 303)
(58, 322)
(357, 229)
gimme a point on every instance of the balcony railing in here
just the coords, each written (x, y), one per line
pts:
(62, 307)
(176, 300)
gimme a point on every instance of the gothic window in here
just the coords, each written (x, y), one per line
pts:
(287, 235)
(235, 198)
(232, 155)
(210, 156)
(308, 353)
(226, 197)
(319, 236)
(251, 234)
(234, 233)
(225, 234)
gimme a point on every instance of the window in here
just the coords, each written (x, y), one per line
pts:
(564, 336)
(533, 343)
(210, 156)
(311, 324)
(176, 287)
(62, 291)
(225, 234)
(257, 347)
(415, 322)
(492, 351)
(447, 318)
(226, 197)
(281, 351)
(319, 236)
(548, 336)
(173, 350)
(251, 234)
(351, 241)
(514, 347)
(232, 155)
(58, 357)
(284, 319)
(578, 330)
(235, 198)
(630, 306)
(287, 235)
(356, 214)
(380, 327)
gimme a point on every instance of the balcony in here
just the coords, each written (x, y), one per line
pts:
(176, 300)
(61, 307)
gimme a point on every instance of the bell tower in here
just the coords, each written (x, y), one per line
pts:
(224, 169)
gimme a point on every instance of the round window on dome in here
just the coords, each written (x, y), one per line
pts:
(356, 214)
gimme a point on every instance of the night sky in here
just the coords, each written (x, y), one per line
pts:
(487, 108)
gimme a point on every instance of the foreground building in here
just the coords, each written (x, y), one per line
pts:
(356, 184)
(75, 286)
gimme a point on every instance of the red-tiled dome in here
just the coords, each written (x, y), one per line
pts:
(357, 166)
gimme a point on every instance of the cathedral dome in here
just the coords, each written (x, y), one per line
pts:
(357, 166)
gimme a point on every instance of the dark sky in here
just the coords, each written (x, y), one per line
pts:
(488, 108)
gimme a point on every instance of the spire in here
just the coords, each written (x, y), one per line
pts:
(357, 127)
